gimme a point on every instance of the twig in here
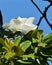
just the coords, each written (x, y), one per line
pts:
(43, 14)
(1, 21)
(37, 6)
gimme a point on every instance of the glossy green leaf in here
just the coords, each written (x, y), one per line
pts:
(35, 49)
(25, 57)
(48, 40)
(34, 40)
(47, 36)
(25, 45)
(17, 40)
(7, 43)
(9, 54)
(24, 62)
(42, 44)
(39, 36)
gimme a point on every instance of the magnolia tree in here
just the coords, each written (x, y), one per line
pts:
(22, 43)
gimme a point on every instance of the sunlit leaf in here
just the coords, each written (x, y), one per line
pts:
(9, 54)
(35, 49)
(39, 36)
(24, 62)
(25, 45)
(7, 43)
(28, 56)
(34, 40)
(17, 40)
(42, 44)
(48, 40)
(5, 48)
(48, 36)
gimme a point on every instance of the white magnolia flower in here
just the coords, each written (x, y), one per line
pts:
(20, 24)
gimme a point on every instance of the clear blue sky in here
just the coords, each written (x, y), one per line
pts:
(24, 8)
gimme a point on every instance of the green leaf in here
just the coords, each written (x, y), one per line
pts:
(2, 42)
(17, 40)
(24, 62)
(32, 33)
(18, 50)
(35, 32)
(36, 49)
(7, 43)
(9, 54)
(39, 36)
(46, 51)
(25, 45)
(25, 57)
(1, 49)
(34, 40)
(5, 48)
(49, 59)
(42, 44)
(47, 36)
(48, 40)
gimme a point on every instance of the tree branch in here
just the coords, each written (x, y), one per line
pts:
(36, 6)
(1, 21)
(43, 14)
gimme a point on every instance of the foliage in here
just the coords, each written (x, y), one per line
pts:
(32, 48)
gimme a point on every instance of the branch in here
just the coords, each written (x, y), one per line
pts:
(43, 14)
(36, 6)
(1, 21)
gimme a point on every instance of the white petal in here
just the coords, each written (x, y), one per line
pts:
(5, 25)
(30, 20)
(29, 27)
(22, 20)
(21, 24)
(15, 21)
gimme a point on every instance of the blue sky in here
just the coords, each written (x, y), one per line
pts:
(24, 8)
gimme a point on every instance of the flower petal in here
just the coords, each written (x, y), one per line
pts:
(22, 20)
(21, 24)
(30, 20)
(29, 27)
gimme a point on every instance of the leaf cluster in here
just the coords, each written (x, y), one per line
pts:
(31, 48)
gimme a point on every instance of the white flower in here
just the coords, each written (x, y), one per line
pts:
(20, 24)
